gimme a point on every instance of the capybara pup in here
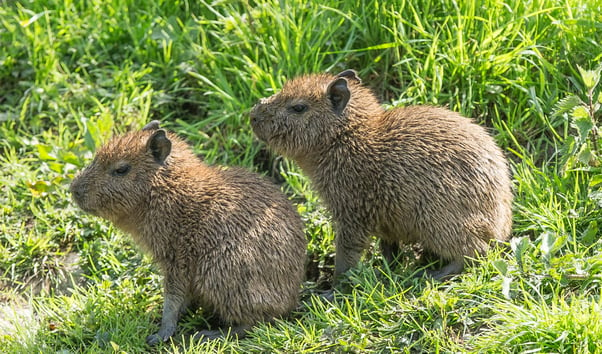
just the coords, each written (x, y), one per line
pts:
(418, 174)
(224, 238)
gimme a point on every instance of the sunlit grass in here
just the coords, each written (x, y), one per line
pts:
(74, 72)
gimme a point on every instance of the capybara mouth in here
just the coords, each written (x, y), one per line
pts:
(84, 207)
(259, 132)
(79, 199)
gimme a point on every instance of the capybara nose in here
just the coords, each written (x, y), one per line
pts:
(77, 191)
(254, 115)
(258, 112)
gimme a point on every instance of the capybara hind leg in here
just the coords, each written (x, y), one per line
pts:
(235, 331)
(390, 252)
(453, 268)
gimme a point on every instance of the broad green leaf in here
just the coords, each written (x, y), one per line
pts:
(501, 266)
(567, 104)
(590, 234)
(519, 246)
(580, 112)
(69, 157)
(585, 155)
(590, 77)
(582, 122)
(56, 166)
(45, 152)
(595, 180)
(39, 188)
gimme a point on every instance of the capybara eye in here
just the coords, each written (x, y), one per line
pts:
(299, 108)
(121, 170)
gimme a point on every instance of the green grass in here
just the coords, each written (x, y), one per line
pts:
(74, 72)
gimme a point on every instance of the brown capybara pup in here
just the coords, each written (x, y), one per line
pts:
(225, 239)
(417, 174)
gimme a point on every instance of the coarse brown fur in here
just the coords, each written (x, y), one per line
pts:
(225, 239)
(418, 174)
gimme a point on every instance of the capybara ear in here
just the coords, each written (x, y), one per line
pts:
(159, 145)
(338, 94)
(350, 74)
(152, 125)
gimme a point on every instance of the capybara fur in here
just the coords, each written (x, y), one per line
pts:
(418, 174)
(225, 239)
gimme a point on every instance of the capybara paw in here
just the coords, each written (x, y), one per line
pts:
(159, 337)
(206, 335)
(153, 339)
(239, 331)
(327, 295)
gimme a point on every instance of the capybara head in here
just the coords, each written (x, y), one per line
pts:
(307, 114)
(118, 181)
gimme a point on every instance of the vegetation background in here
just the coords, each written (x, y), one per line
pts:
(73, 72)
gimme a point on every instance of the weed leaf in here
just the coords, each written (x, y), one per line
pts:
(582, 122)
(589, 235)
(590, 77)
(501, 266)
(45, 152)
(585, 155)
(567, 104)
(595, 180)
(519, 245)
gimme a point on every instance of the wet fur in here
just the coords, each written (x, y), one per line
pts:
(225, 238)
(415, 174)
